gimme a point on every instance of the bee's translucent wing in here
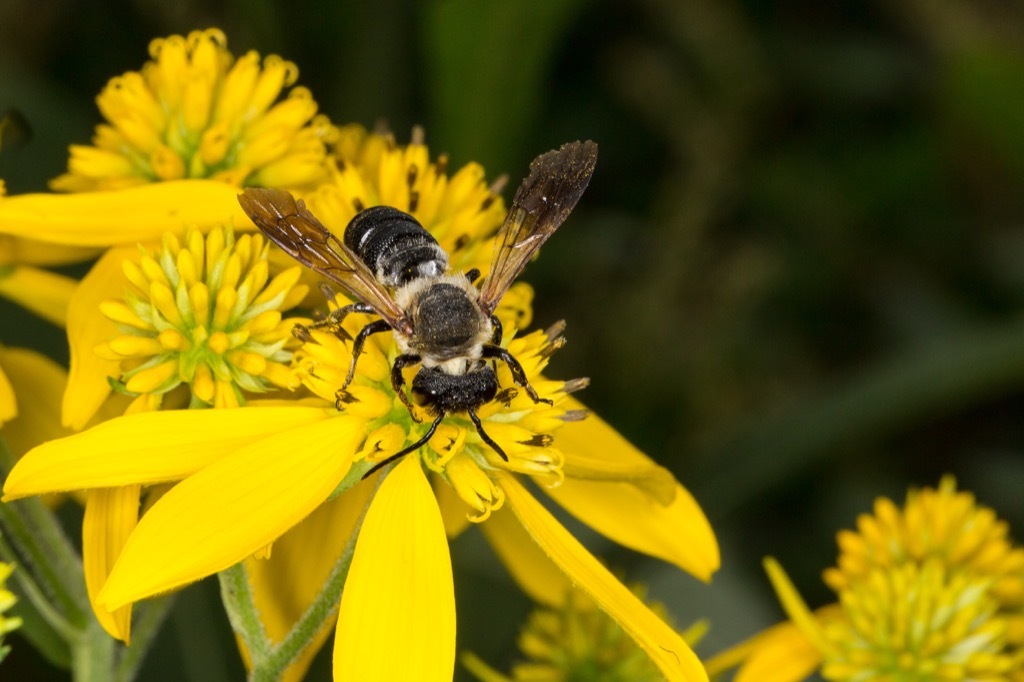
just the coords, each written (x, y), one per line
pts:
(542, 203)
(289, 224)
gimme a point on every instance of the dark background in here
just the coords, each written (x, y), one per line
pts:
(796, 278)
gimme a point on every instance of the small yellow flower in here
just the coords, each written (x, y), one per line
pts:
(574, 640)
(195, 111)
(933, 591)
(462, 211)
(203, 312)
(7, 600)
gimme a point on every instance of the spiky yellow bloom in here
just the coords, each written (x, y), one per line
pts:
(241, 479)
(204, 312)
(932, 591)
(462, 211)
(7, 600)
(195, 111)
(248, 475)
(575, 640)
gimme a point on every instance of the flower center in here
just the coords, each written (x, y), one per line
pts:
(204, 313)
(457, 450)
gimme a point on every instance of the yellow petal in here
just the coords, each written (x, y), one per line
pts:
(150, 447)
(633, 515)
(453, 509)
(779, 654)
(795, 606)
(287, 583)
(124, 216)
(8, 402)
(678, 533)
(397, 618)
(45, 293)
(535, 574)
(233, 508)
(42, 381)
(87, 328)
(43, 254)
(111, 514)
(664, 646)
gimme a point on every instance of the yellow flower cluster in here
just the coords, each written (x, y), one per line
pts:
(932, 591)
(195, 111)
(174, 495)
(204, 313)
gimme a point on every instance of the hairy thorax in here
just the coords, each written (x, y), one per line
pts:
(449, 326)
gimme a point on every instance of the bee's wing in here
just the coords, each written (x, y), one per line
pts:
(290, 225)
(542, 203)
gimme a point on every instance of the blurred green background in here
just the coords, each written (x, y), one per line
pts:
(796, 279)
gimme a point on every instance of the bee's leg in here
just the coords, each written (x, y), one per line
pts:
(518, 374)
(483, 434)
(375, 327)
(473, 274)
(410, 448)
(338, 316)
(496, 330)
(496, 333)
(398, 379)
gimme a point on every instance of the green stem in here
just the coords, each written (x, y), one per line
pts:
(316, 616)
(149, 616)
(92, 654)
(239, 601)
(313, 619)
(44, 551)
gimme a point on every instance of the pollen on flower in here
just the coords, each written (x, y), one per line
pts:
(932, 591)
(456, 451)
(171, 334)
(462, 211)
(194, 111)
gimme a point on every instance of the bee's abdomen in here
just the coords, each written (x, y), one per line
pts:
(395, 246)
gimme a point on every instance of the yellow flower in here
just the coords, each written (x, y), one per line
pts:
(28, 373)
(461, 211)
(24, 282)
(182, 135)
(202, 312)
(934, 591)
(195, 111)
(248, 475)
(574, 640)
(7, 600)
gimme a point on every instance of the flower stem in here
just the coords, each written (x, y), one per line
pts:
(150, 616)
(317, 616)
(236, 593)
(92, 654)
(41, 548)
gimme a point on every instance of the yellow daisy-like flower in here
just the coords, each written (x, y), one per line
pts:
(202, 312)
(195, 111)
(248, 475)
(461, 211)
(7, 600)
(574, 640)
(933, 591)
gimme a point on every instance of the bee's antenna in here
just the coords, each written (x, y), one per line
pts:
(411, 448)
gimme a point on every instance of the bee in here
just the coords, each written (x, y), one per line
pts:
(390, 266)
